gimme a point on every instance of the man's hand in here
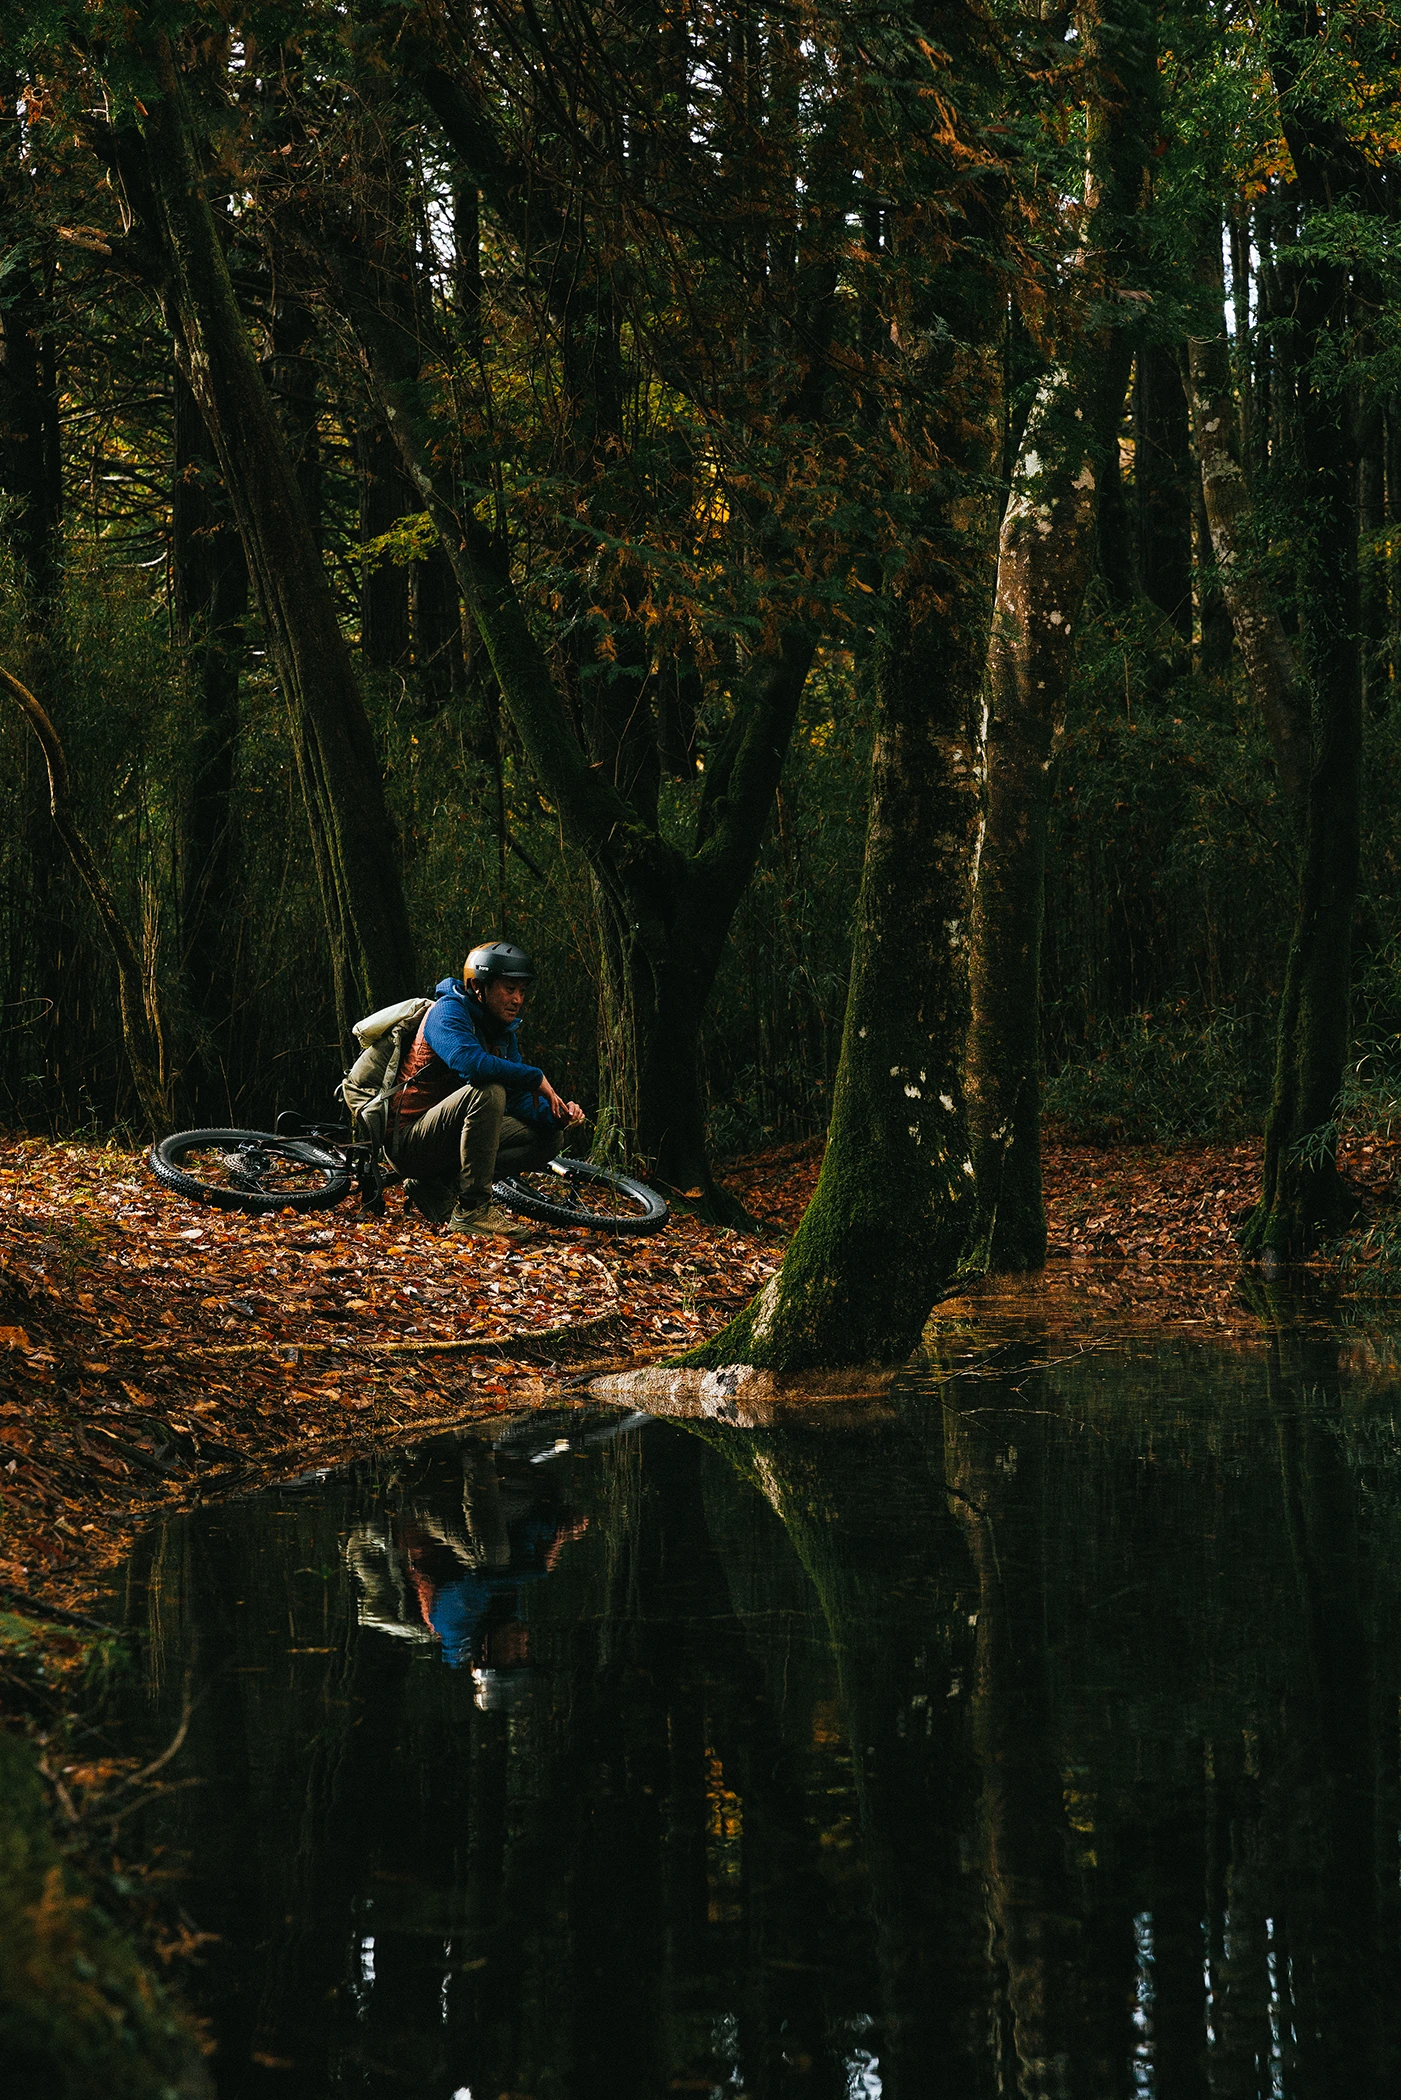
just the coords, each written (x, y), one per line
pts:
(562, 1111)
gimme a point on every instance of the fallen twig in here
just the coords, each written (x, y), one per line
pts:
(22, 1601)
(530, 1339)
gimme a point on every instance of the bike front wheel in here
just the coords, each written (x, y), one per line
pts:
(576, 1192)
(250, 1170)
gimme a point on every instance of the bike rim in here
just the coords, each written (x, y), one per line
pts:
(254, 1169)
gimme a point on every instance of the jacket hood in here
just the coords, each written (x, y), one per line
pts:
(454, 988)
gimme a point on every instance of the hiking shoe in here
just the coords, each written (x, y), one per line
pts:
(433, 1200)
(490, 1218)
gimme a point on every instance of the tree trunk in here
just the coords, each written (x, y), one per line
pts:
(1392, 564)
(1214, 633)
(386, 495)
(30, 464)
(1045, 557)
(1069, 455)
(1163, 486)
(357, 853)
(887, 1224)
(1272, 671)
(437, 632)
(1302, 1193)
(1371, 493)
(210, 579)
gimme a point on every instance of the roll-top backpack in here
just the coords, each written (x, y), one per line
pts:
(369, 1087)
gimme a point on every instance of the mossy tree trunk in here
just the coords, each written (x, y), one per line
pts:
(357, 852)
(890, 1215)
(1046, 555)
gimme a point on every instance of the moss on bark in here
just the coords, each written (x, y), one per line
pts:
(79, 2012)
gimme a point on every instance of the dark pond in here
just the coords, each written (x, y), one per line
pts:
(681, 1757)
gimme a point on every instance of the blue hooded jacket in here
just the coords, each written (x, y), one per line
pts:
(456, 1029)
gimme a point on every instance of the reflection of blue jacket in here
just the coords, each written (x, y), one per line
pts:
(459, 1607)
(457, 1030)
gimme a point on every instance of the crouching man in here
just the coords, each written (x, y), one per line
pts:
(469, 1107)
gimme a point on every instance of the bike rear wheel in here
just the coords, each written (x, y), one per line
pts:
(576, 1192)
(250, 1170)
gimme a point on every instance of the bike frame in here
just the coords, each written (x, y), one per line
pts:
(362, 1160)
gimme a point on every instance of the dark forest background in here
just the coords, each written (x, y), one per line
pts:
(125, 603)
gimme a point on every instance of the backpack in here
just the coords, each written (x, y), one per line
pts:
(369, 1087)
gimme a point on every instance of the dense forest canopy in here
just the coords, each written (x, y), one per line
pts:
(568, 472)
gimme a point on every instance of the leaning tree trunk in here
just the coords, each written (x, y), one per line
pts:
(357, 853)
(888, 1221)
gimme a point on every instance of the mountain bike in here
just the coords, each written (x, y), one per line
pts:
(303, 1166)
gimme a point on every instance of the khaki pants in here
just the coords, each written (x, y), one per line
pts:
(467, 1140)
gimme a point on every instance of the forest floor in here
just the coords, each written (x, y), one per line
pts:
(153, 1353)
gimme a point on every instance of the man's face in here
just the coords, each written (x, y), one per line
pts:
(503, 997)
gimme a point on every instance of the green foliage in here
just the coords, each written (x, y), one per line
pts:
(1160, 1077)
(1170, 884)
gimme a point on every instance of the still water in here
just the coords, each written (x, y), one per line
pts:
(1029, 1730)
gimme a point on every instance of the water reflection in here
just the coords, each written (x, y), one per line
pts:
(450, 1564)
(1030, 1731)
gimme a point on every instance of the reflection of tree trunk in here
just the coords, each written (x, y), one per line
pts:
(1060, 2048)
(851, 1524)
(1337, 2045)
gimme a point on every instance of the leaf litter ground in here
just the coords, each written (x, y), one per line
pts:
(153, 1351)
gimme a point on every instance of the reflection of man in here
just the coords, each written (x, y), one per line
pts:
(468, 1588)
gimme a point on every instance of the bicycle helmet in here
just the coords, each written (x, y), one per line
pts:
(498, 959)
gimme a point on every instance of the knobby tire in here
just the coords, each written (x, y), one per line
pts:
(620, 1204)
